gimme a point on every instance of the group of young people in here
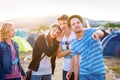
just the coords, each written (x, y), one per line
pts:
(80, 47)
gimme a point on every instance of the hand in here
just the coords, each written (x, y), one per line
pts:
(96, 36)
(69, 73)
(23, 78)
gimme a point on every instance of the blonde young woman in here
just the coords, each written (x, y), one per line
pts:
(10, 67)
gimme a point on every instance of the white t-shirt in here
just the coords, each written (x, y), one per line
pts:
(67, 59)
(44, 66)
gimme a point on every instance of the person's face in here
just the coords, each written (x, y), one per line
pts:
(76, 25)
(54, 33)
(11, 32)
(63, 24)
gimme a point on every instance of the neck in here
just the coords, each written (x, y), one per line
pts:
(80, 34)
(67, 33)
(8, 40)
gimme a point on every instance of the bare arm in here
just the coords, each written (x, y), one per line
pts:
(88, 24)
(74, 65)
(61, 53)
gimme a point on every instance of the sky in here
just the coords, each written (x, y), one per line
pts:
(92, 9)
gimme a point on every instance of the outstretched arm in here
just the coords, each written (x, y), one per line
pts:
(97, 34)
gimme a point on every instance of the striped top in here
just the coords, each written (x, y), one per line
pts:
(91, 54)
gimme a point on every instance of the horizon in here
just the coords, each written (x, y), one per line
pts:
(93, 9)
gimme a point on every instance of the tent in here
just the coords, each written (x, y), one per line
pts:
(23, 45)
(111, 45)
(32, 37)
(20, 33)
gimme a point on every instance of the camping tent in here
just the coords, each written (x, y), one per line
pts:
(20, 33)
(23, 45)
(32, 37)
(111, 45)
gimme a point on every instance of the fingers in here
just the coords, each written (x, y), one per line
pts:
(95, 36)
(68, 75)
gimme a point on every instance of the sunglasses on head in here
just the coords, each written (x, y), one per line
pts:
(67, 45)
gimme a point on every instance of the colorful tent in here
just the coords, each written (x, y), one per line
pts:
(20, 33)
(111, 45)
(23, 45)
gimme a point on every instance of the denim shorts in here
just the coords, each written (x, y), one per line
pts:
(41, 77)
(92, 77)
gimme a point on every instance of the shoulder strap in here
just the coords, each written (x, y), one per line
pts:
(42, 57)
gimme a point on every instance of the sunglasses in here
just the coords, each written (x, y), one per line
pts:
(67, 45)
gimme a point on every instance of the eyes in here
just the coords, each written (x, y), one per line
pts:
(56, 31)
(62, 23)
(74, 23)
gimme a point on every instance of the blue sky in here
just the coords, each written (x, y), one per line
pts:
(93, 9)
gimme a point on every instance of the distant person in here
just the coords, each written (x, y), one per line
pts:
(10, 67)
(92, 65)
(88, 24)
(110, 30)
(43, 57)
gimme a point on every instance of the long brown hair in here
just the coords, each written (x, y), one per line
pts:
(49, 39)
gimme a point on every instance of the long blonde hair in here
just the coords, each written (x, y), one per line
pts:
(4, 31)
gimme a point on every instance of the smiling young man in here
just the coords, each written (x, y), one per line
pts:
(92, 64)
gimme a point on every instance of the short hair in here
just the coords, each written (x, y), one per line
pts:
(63, 17)
(74, 16)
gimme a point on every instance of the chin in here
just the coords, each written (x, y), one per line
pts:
(52, 37)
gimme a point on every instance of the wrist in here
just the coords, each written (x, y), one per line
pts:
(70, 70)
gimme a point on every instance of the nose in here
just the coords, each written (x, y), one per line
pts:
(55, 32)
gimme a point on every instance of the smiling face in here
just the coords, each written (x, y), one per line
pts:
(76, 25)
(62, 21)
(7, 31)
(63, 24)
(11, 32)
(54, 32)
